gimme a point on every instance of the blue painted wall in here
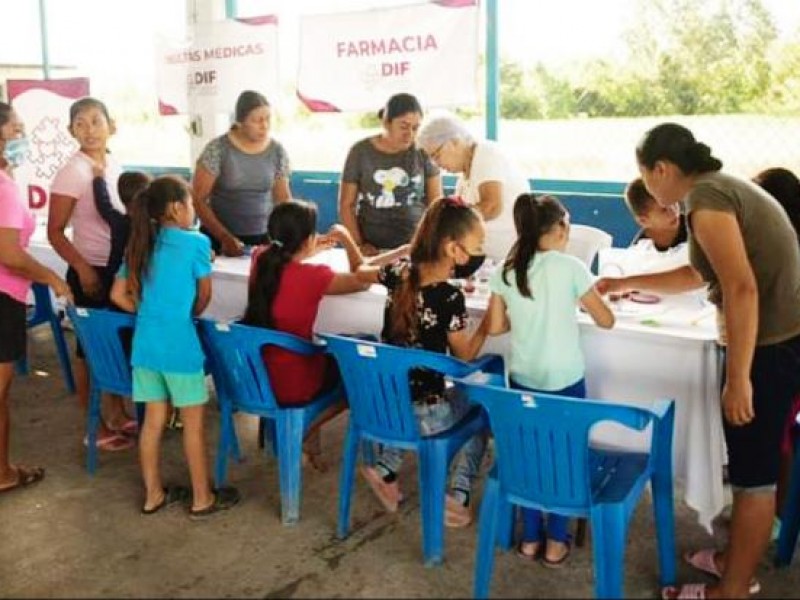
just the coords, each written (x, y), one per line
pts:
(596, 203)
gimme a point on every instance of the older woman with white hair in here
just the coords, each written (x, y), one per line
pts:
(488, 178)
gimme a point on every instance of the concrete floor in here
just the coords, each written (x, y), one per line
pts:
(78, 536)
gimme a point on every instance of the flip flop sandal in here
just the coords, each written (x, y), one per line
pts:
(529, 557)
(172, 495)
(703, 560)
(224, 498)
(112, 443)
(26, 476)
(687, 591)
(557, 564)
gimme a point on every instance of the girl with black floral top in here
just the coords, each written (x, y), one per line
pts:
(423, 310)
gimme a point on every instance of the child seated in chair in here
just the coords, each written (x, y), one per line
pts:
(284, 294)
(664, 225)
(423, 310)
(534, 295)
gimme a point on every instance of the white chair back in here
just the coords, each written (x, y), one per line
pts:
(586, 241)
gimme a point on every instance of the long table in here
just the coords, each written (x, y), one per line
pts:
(665, 350)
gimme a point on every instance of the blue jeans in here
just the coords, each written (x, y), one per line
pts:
(433, 419)
(531, 518)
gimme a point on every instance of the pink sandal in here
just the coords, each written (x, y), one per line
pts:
(687, 591)
(703, 560)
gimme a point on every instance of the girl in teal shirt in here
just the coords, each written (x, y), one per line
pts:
(535, 295)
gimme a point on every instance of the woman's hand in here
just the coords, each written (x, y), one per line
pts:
(737, 402)
(90, 282)
(61, 289)
(231, 246)
(612, 285)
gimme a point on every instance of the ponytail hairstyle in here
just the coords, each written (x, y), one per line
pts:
(675, 143)
(247, 102)
(399, 105)
(445, 219)
(148, 209)
(290, 225)
(533, 218)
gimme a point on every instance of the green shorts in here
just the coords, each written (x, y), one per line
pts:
(182, 389)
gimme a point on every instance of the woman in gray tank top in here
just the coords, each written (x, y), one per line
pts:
(239, 177)
(742, 244)
(387, 181)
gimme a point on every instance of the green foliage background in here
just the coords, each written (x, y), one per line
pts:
(683, 57)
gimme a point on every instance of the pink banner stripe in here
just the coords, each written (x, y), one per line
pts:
(76, 87)
(166, 109)
(456, 3)
(317, 105)
(262, 20)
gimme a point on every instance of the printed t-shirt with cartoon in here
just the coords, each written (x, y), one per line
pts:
(295, 378)
(165, 338)
(14, 214)
(391, 191)
(441, 309)
(545, 340)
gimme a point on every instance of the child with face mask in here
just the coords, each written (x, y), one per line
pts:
(424, 310)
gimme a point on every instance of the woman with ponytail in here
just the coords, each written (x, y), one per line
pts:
(423, 310)
(535, 295)
(166, 281)
(285, 293)
(742, 244)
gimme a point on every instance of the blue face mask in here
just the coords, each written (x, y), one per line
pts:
(15, 151)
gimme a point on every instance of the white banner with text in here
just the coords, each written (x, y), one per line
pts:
(356, 60)
(220, 60)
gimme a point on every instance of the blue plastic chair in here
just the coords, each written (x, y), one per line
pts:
(543, 460)
(790, 519)
(43, 313)
(234, 354)
(375, 376)
(100, 335)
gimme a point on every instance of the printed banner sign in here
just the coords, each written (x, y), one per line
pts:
(219, 61)
(357, 60)
(43, 107)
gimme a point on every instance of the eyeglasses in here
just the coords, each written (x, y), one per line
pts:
(436, 154)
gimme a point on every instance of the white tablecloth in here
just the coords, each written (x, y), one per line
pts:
(664, 350)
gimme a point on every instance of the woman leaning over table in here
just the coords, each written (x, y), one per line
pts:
(387, 181)
(239, 177)
(742, 244)
(488, 178)
(17, 270)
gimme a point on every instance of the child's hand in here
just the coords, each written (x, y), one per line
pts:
(339, 233)
(98, 170)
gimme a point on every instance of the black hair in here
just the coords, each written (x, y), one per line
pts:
(85, 103)
(675, 143)
(148, 208)
(784, 186)
(5, 113)
(533, 217)
(290, 225)
(247, 102)
(637, 197)
(399, 105)
(445, 219)
(131, 183)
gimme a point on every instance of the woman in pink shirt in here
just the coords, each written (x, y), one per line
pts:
(87, 252)
(17, 270)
